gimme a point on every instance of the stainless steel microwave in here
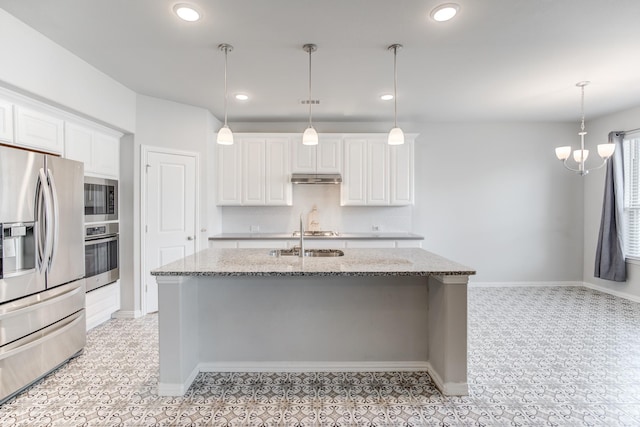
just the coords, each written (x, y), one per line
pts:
(100, 199)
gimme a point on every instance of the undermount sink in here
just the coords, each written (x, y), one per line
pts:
(307, 252)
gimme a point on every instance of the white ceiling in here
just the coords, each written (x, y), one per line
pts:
(497, 60)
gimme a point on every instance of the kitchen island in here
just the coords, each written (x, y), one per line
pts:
(369, 310)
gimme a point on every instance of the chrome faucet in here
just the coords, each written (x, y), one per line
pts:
(301, 253)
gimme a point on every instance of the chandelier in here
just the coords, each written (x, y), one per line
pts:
(580, 156)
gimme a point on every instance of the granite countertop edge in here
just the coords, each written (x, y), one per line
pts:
(310, 273)
(354, 262)
(340, 236)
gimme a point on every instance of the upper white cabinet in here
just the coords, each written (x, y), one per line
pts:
(38, 130)
(278, 172)
(375, 173)
(401, 173)
(326, 157)
(253, 167)
(354, 175)
(99, 151)
(229, 175)
(6, 121)
(255, 171)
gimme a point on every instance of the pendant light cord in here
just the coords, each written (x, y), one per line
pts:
(310, 50)
(395, 87)
(226, 49)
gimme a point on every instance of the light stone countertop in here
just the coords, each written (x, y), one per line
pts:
(355, 262)
(340, 236)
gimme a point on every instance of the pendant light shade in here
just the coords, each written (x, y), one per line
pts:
(310, 136)
(225, 136)
(396, 136)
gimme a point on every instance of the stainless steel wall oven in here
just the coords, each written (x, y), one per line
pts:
(100, 199)
(101, 254)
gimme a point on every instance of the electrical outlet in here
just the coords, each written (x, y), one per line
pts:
(254, 228)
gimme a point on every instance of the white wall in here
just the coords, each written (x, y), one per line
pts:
(355, 219)
(38, 67)
(492, 196)
(598, 131)
(166, 124)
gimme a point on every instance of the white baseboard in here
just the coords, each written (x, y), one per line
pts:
(127, 314)
(520, 284)
(624, 295)
(313, 366)
(448, 389)
(599, 288)
(177, 389)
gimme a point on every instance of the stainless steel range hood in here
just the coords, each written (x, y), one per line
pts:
(316, 178)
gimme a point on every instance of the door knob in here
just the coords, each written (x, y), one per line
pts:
(189, 237)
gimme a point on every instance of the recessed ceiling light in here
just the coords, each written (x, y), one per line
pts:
(386, 97)
(444, 12)
(186, 12)
(242, 97)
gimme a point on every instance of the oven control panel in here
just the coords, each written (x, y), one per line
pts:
(94, 231)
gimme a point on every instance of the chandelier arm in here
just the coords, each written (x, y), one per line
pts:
(604, 162)
(566, 165)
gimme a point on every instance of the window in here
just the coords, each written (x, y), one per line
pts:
(631, 157)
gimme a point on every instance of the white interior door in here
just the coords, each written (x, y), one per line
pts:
(170, 214)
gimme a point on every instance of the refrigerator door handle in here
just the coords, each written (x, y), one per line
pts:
(55, 217)
(46, 220)
(39, 226)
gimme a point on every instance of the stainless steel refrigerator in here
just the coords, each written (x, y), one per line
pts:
(42, 289)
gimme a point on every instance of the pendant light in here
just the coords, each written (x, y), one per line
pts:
(310, 136)
(225, 136)
(396, 136)
(605, 151)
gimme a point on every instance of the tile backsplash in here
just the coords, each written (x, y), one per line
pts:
(331, 216)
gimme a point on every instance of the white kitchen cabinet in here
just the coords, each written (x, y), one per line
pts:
(376, 174)
(262, 244)
(223, 244)
(278, 189)
(100, 152)
(315, 243)
(408, 243)
(319, 243)
(371, 244)
(353, 190)
(255, 171)
(6, 121)
(401, 174)
(38, 130)
(229, 175)
(326, 157)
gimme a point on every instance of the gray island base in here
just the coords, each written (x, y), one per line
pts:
(230, 310)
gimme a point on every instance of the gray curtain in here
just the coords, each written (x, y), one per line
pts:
(610, 264)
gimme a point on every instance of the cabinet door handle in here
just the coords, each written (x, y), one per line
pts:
(189, 237)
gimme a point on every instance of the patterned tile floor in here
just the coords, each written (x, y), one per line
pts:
(537, 356)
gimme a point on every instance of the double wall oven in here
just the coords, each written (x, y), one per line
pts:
(101, 237)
